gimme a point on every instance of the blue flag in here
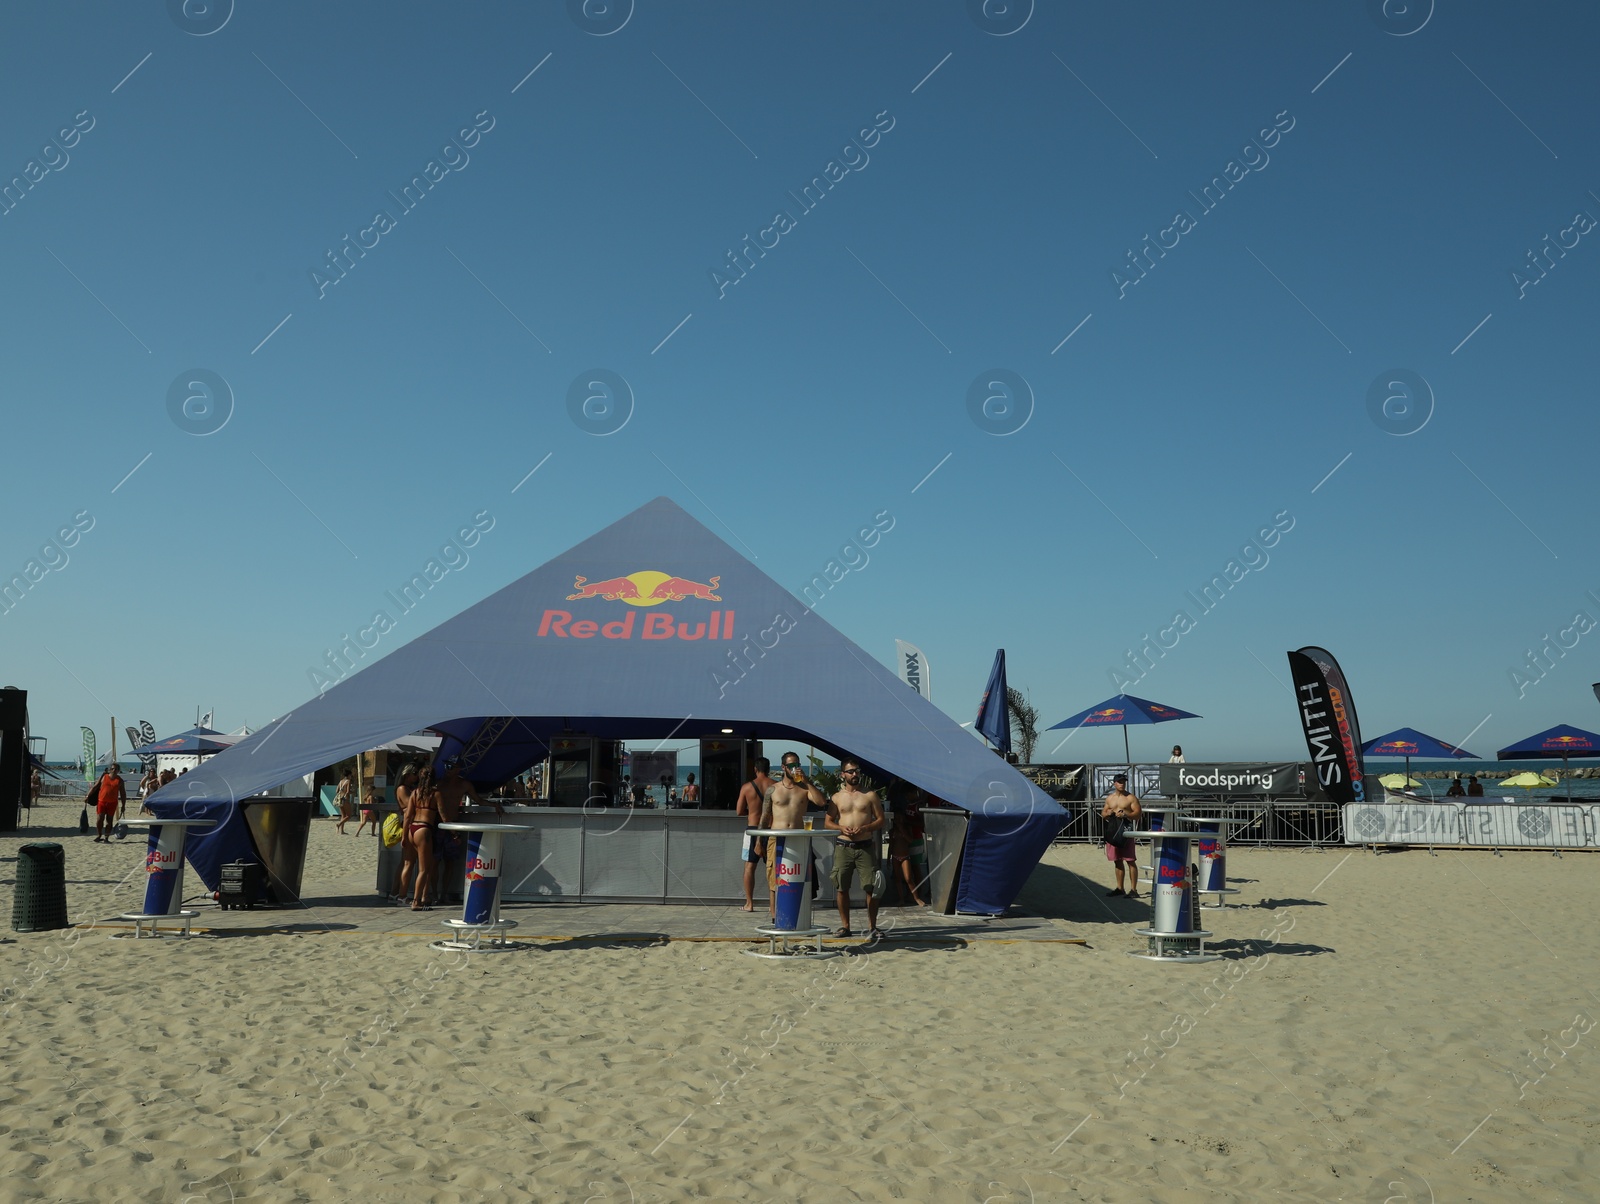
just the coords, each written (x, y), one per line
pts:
(994, 719)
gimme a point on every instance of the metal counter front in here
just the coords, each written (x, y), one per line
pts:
(618, 855)
(611, 855)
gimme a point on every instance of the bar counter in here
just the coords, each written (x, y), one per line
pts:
(608, 855)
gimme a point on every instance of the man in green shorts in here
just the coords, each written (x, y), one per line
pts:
(858, 818)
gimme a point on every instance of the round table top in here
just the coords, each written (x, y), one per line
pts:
(1213, 819)
(1166, 834)
(467, 826)
(790, 832)
(147, 822)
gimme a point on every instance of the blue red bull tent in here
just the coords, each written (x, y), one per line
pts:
(654, 628)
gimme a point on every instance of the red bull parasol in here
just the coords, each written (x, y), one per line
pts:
(1121, 711)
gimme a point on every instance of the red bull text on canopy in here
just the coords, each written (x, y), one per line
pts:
(646, 588)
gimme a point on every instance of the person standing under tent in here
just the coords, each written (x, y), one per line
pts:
(454, 788)
(691, 793)
(906, 842)
(403, 793)
(422, 819)
(150, 783)
(749, 806)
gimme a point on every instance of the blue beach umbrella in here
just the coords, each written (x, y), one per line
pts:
(1408, 742)
(1562, 741)
(1121, 711)
(196, 742)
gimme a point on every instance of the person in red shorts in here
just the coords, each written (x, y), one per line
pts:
(109, 803)
(1121, 810)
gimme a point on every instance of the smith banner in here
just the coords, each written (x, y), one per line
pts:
(1328, 716)
(1234, 781)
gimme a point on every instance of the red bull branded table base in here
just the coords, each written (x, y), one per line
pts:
(1213, 850)
(1159, 818)
(480, 907)
(163, 890)
(791, 860)
(1173, 936)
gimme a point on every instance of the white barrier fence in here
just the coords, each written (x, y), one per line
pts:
(1477, 825)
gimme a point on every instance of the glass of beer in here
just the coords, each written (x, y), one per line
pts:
(807, 821)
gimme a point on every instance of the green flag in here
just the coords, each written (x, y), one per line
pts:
(89, 774)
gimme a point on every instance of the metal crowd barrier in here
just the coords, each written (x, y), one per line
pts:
(1294, 822)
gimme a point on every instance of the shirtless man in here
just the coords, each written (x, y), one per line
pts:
(452, 867)
(453, 787)
(749, 806)
(1121, 853)
(783, 805)
(858, 817)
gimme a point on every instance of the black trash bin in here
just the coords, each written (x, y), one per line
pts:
(40, 901)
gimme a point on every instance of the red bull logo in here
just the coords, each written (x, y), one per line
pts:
(1109, 715)
(1569, 742)
(1404, 748)
(479, 868)
(646, 588)
(160, 861)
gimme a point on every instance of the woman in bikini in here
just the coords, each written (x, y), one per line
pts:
(422, 818)
(403, 793)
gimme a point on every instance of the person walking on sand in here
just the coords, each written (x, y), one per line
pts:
(858, 818)
(754, 848)
(110, 803)
(1122, 809)
(341, 798)
(371, 807)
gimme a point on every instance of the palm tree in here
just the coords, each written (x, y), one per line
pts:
(1024, 723)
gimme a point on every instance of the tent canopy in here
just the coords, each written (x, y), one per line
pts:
(654, 628)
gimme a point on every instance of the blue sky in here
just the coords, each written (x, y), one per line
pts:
(1412, 164)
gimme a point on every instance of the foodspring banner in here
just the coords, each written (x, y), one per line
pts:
(1328, 717)
(1235, 780)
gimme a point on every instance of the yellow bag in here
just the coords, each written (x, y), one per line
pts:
(393, 829)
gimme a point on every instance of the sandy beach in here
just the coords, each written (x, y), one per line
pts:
(1382, 1027)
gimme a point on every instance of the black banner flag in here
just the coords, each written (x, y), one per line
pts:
(1328, 716)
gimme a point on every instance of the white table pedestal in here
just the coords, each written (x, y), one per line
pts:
(791, 901)
(163, 892)
(480, 902)
(1172, 937)
(1213, 858)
